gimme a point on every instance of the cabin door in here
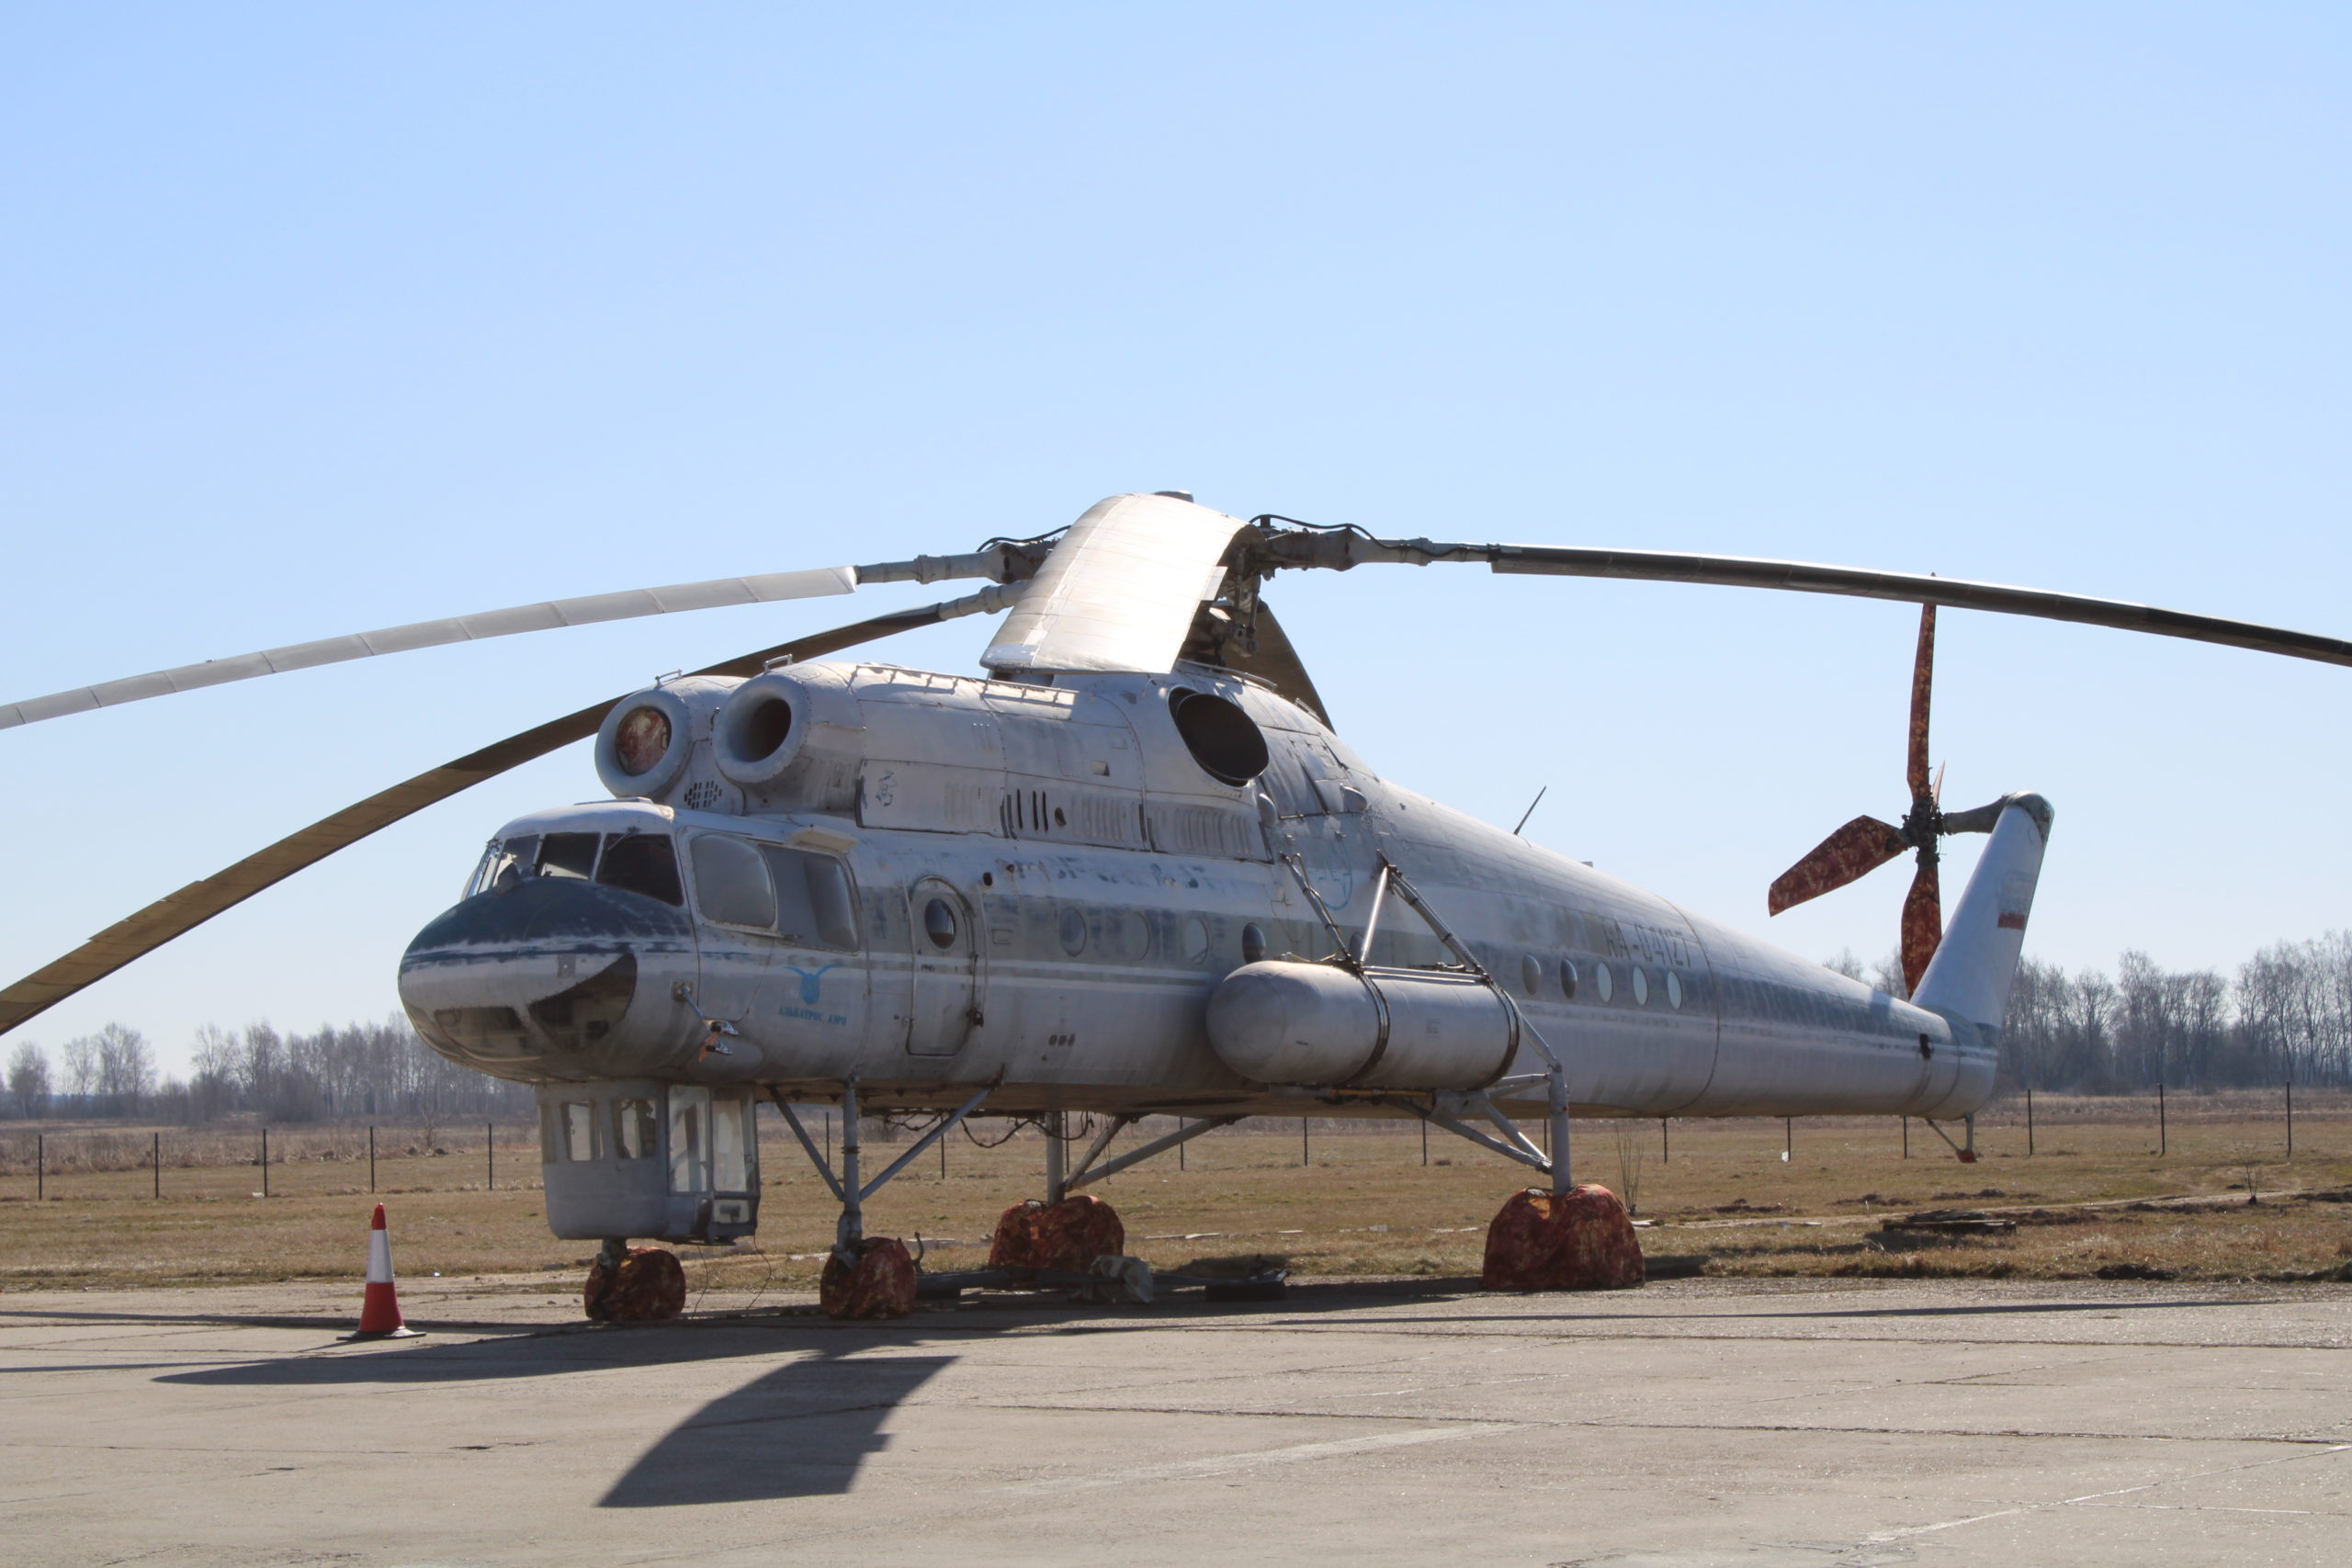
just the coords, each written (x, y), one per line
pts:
(944, 938)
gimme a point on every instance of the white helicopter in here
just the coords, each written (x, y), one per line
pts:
(1130, 871)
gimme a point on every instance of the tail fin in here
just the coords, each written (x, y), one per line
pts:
(1974, 968)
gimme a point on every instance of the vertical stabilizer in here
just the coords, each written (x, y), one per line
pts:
(1977, 960)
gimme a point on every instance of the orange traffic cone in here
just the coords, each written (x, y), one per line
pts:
(379, 1310)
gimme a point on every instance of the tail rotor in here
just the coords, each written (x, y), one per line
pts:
(1864, 844)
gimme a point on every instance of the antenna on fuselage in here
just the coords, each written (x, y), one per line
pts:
(1530, 808)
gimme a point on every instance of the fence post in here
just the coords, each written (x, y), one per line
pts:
(1788, 1138)
(158, 1157)
(2291, 1119)
(1665, 1143)
(40, 1165)
(264, 1160)
(2028, 1120)
(489, 1154)
(1906, 1137)
(371, 1162)
(1424, 1143)
(2164, 1143)
(1302, 1141)
(1180, 1149)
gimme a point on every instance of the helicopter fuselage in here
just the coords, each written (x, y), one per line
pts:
(973, 882)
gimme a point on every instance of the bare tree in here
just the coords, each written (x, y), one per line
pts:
(81, 1054)
(125, 1068)
(28, 1079)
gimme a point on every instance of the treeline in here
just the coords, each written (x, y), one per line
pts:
(360, 1071)
(2284, 1017)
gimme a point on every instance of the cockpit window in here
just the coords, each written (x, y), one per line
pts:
(803, 897)
(812, 901)
(641, 863)
(732, 882)
(506, 863)
(568, 855)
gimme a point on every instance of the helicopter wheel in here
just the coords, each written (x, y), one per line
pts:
(1578, 1240)
(881, 1284)
(634, 1284)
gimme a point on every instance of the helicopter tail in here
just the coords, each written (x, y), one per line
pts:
(1977, 960)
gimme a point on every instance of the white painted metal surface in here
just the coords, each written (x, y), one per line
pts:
(768, 588)
(1120, 592)
(1282, 1022)
(1097, 945)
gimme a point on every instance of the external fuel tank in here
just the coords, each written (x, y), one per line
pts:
(1287, 1022)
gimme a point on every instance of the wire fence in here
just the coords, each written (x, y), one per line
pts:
(66, 1160)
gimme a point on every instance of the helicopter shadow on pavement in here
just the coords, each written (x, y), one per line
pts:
(800, 1429)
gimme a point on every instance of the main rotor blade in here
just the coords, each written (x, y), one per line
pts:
(180, 912)
(1341, 549)
(1859, 848)
(1923, 680)
(1923, 922)
(772, 587)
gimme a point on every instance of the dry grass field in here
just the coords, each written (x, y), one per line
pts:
(2094, 1194)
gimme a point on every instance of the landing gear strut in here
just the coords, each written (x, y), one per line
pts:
(1561, 1237)
(867, 1276)
(1967, 1152)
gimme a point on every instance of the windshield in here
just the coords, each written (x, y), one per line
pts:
(635, 863)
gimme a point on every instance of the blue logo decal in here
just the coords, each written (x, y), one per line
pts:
(808, 981)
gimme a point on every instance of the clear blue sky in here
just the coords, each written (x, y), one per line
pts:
(324, 320)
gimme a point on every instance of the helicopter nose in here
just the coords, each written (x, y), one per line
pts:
(555, 974)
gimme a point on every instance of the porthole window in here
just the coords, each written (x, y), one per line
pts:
(1567, 979)
(1531, 974)
(1604, 983)
(1253, 943)
(939, 924)
(1641, 987)
(1196, 941)
(1673, 990)
(1073, 931)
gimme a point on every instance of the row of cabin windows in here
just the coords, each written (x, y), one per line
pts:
(802, 897)
(1604, 981)
(700, 1124)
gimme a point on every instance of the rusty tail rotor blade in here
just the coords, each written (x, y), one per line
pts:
(178, 913)
(1860, 846)
(1923, 922)
(1923, 680)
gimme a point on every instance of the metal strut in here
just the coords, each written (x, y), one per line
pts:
(1967, 1152)
(846, 1187)
(1556, 1073)
(1089, 1171)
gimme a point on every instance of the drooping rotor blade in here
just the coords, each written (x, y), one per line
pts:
(1923, 922)
(1855, 850)
(180, 912)
(1342, 548)
(1923, 680)
(725, 591)
(1120, 591)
